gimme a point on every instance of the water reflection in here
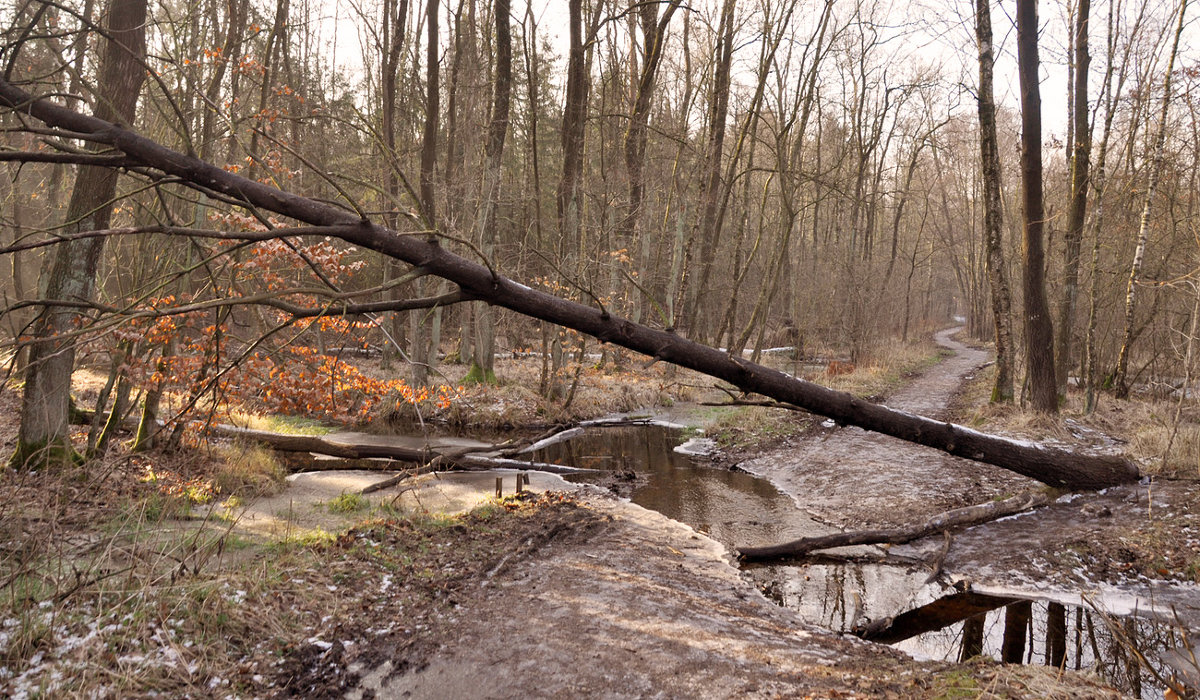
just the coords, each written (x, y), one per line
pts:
(733, 508)
(932, 621)
(893, 604)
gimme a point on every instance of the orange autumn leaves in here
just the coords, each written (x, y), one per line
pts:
(208, 362)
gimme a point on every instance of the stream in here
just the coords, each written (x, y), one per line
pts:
(927, 618)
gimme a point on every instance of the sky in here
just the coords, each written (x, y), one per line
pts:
(924, 30)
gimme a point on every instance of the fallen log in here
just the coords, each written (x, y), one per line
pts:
(960, 517)
(475, 280)
(453, 458)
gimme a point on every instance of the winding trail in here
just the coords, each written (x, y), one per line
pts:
(851, 477)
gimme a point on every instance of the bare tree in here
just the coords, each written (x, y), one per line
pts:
(70, 273)
(708, 224)
(993, 244)
(1121, 373)
(485, 339)
(654, 35)
(1039, 333)
(1081, 147)
(425, 328)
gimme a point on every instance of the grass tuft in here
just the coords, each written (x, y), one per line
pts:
(247, 470)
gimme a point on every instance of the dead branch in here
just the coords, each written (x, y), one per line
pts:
(960, 517)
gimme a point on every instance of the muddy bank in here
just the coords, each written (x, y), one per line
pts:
(630, 603)
(619, 601)
(848, 477)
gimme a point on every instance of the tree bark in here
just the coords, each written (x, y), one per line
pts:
(70, 273)
(1081, 148)
(1051, 465)
(993, 224)
(1039, 334)
(485, 332)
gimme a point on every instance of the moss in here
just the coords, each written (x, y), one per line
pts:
(44, 454)
(477, 375)
(956, 684)
(76, 415)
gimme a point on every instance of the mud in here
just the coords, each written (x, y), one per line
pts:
(646, 606)
(848, 477)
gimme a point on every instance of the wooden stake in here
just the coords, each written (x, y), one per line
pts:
(499, 486)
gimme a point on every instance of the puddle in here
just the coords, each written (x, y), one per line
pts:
(886, 603)
(931, 621)
(734, 508)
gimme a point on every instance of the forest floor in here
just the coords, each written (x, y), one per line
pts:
(113, 585)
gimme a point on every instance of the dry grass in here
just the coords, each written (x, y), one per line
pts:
(247, 470)
(111, 588)
(588, 391)
(1145, 429)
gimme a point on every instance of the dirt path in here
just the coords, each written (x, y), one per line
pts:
(850, 477)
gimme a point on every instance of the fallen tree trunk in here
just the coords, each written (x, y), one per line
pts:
(1053, 466)
(456, 458)
(971, 515)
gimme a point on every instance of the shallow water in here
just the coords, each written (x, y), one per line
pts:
(734, 508)
(739, 509)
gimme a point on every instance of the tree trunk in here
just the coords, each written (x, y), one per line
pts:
(1121, 374)
(1016, 628)
(1050, 465)
(970, 515)
(395, 16)
(1111, 95)
(372, 447)
(1081, 148)
(70, 273)
(707, 225)
(1039, 334)
(1056, 629)
(993, 224)
(574, 114)
(972, 640)
(423, 351)
(485, 332)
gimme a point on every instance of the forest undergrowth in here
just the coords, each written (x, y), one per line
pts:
(128, 576)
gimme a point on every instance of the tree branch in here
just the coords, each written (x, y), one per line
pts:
(1051, 465)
